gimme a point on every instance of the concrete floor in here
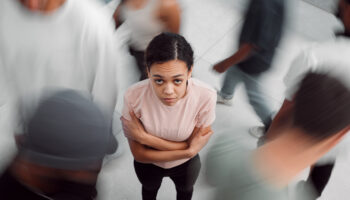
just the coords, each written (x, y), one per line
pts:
(212, 28)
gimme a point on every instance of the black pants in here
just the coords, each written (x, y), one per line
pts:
(140, 61)
(319, 177)
(184, 176)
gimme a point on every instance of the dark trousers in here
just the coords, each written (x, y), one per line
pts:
(140, 61)
(319, 177)
(184, 176)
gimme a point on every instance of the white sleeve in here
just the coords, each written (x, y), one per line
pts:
(299, 67)
(3, 84)
(8, 111)
(102, 58)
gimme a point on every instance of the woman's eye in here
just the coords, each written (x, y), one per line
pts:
(177, 81)
(158, 81)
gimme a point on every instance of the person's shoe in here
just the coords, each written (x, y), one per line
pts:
(257, 131)
(222, 100)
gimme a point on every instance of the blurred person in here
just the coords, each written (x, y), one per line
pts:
(56, 43)
(260, 35)
(167, 118)
(329, 57)
(146, 19)
(320, 120)
(60, 154)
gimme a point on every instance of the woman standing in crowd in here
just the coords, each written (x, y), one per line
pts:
(146, 19)
(167, 118)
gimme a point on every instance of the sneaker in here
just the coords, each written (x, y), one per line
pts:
(222, 100)
(257, 131)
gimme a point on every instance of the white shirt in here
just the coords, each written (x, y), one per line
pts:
(71, 47)
(143, 24)
(333, 58)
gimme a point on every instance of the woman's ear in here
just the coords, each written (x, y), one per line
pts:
(189, 75)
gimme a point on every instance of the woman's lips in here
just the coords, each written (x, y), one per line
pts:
(169, 100)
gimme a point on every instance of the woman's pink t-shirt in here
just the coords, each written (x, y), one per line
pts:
(174, 123)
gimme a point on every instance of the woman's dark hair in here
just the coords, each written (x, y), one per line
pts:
(169, 46)
(322, 105)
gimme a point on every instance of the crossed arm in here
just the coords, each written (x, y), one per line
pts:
(147, 148)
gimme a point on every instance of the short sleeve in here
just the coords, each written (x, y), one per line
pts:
(206, 115)
(299, 67)
(126, 107)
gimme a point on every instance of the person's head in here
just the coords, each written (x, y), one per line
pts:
(42, 5)
(169, 61)
(67, 134)
(322, 106)
(344, 14)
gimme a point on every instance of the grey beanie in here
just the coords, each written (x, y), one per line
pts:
(67, 131)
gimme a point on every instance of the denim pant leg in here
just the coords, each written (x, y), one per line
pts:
(233, 76)
(257, 98)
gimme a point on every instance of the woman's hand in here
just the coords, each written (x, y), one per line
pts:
(133, 129)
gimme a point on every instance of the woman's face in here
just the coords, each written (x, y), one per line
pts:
(169, 80)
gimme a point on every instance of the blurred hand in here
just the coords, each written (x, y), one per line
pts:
(133, 129)
(221, 67)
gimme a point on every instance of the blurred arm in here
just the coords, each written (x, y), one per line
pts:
(244, 51)
(116, 15)
(170, 14)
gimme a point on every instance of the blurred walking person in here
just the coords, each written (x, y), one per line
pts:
(146, 19)
(261, 33)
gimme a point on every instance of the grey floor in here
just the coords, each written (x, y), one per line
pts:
(212, 28)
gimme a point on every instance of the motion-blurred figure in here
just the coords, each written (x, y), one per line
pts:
(260, 35)
(145, 20)
(56, 43)
(60, 154)
(320, 120)
(329, 57)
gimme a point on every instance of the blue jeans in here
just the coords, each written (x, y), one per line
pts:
(256, 98)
